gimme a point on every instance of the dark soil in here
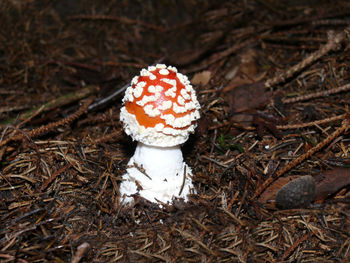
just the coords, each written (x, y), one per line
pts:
(264, 122)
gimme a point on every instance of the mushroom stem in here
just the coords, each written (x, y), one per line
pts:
(156, 173)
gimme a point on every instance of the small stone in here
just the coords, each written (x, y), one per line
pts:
(296, 194)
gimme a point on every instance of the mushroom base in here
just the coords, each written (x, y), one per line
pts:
(156, 173)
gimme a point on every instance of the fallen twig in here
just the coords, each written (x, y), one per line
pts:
(306, 155)
(312, 123)
(108, 98)
(108, 137)
(51, 126)
(124, 20)
(332, 44)
(295, 245)
(322, 93)
(55, 103)
(53, 177)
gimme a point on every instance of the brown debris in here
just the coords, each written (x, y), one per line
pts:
(331, 182)
(62, 163)
(333, 43)
(310, 152)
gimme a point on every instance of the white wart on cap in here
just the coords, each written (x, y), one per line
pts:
(160, 107)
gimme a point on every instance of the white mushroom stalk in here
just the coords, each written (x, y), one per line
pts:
(160, 111)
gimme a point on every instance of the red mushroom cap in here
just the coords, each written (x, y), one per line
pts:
(161, 107)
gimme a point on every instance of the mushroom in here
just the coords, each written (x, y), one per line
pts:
(160, 111)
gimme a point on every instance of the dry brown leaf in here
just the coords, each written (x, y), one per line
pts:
(331, 182)
(327, 183)
(249, 97)
(270, 193)
(201, 78)
(245, 73)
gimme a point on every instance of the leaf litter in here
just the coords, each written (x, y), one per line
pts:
(61, 166)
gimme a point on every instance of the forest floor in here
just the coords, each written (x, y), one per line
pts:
(273, 80)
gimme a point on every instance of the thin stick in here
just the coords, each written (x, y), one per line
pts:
(318, 94)
(332, 44)
(183, 181)
(51, 126)
(295, 245)
(301, 158)
(140, 169)
(108, 98)
(294, 126)
(124, 20)
(108, 137)
(312, 123)
(53, 177)
(55, 103)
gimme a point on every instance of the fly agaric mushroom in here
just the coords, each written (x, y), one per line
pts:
(160, 111)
